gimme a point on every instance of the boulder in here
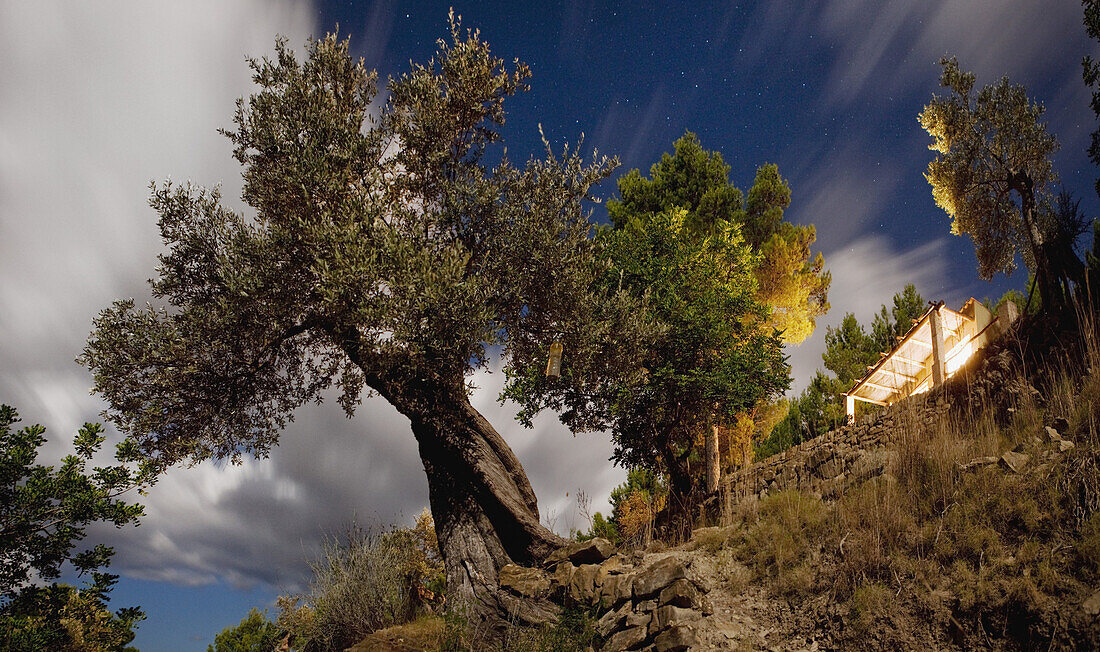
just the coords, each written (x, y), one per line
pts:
(1014, 461)
(592, 551)
(1091, 606)
(625, 639)
(562, 576)
(978, 462)
(1052, 434)
(675, 639)
(680, 593)
(527, 582)
(650, 581)
(638, 619)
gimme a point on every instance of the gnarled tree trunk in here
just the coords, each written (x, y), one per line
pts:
(485, 511)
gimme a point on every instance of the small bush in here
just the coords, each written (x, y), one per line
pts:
(735, 575)
(711, 539)
(364, 583)
(255, 633)
(789, 524)
(575, 630)
(1088, 547)
(868, 604)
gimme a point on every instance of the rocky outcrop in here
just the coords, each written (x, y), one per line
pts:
(651, 601)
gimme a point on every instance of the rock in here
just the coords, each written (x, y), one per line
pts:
(979, 462)
(613, 565)
(616, 588)
(582, 586)
(592, 551)
(678, 638)
(638, 619)
(706, 605)
(1052, 434)
(1091, 606)
(625, 639)
(699, 532)
(670, 616)
(1014, 461)
(680, 593)
(563, 575)
(830, 468)
(1064, 445)
(611, 620)
(651, 580)
(528, 582)
(645, 605)
(869, 465)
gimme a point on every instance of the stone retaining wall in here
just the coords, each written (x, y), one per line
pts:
(827, 465)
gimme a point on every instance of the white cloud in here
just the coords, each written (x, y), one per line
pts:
(100, 99)
(866, 273)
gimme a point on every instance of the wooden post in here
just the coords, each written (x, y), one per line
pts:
(936, 321)
(850, 407)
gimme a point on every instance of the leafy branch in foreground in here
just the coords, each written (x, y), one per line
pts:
(46, 511)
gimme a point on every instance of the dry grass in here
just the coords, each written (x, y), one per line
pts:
(362, 583)
(980, 553)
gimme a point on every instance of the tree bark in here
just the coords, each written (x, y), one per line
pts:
(485, 511)
(676, 519)
(713, 469)
(1051, 299)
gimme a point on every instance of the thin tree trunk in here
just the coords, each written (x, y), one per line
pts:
(485, 511)
(713, 469)
(1051, 299)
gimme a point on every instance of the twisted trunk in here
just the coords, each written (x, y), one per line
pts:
(486, 514)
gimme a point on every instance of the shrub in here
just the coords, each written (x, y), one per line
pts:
(602, 528)
(366, 582)
(788, 526)
(255, 633)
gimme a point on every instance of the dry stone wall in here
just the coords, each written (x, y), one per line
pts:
(827, 465)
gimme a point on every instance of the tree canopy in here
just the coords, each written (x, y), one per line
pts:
(993, 175)
(766, 261)
(713, 361)
(790, 279)
(1090, 72)
(255, 633)
(725, 282)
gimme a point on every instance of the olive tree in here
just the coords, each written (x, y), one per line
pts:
(383, 253)
(993, 175)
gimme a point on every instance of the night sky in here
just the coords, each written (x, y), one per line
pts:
(101, 98)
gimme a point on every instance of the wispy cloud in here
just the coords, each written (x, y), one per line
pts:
(844, 194)
(867, 271)
(883, 49)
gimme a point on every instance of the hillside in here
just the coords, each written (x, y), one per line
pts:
(965, 518)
